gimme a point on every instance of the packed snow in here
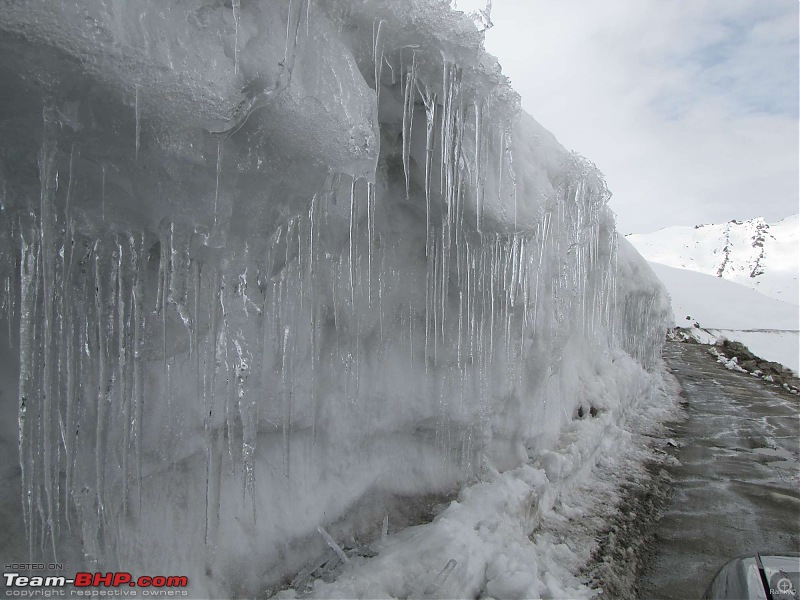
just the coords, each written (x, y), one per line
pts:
(527, 532)
(273, 273)
(762, 256)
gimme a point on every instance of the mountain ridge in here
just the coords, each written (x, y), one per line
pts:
(762, 256)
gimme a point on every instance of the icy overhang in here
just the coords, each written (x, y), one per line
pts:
(202, 67)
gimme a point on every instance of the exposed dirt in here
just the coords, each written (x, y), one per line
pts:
(771, 371)
(624, 548)
(766, 370)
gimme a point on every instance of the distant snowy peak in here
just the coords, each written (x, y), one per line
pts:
(754, 253)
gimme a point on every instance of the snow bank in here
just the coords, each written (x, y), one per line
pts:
(720, 304)
(528, 532)
(269, 266)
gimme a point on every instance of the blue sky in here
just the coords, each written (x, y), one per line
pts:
(689, 107)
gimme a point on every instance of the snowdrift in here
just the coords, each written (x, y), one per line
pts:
(268, 267)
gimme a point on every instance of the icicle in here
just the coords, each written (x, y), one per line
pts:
(137, 319)
(121, 373)
(138, 128)
(479, 166)
(352, 265)
(10, 303)
(179, 276)
(429, 303)
(287, 402)
(299, 581)
(334, 546)
(248, 410)
(68, 207)
(500, 156)
(370, 228)
(102, 385)
(381, 282)
(429, 100)
(391, 70)
(377, 58)
(214, 442)
(443, 277)
(103, 198)
(292, 31)
(195, 350)
(408, 117)
(297, 225)
(459, 339)
(445, 125)
(236, 6)
(512, 174)
(432, 590)
(216, 189)
(48, 177)
(312, 260)
(164, 273)
(223, 353)
(28, 278)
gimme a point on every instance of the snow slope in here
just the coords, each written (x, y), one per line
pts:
(717, 303)
(769, 327)
(274, 268)
(759, 255)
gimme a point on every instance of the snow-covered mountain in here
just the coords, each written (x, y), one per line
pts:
(759, 255)
(713, 307)
(737, 279)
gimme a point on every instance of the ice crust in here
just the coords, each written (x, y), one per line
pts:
(252, 297)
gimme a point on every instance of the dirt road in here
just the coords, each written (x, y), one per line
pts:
(737, 490)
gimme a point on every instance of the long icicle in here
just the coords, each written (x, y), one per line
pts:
(47, 222)
(377, 58)
(408, 118)
(429, 100)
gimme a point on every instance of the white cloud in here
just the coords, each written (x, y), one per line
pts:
(690, 108)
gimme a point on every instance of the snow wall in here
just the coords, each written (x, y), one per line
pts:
(250, 291)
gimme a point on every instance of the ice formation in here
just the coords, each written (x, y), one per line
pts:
(267, 266)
